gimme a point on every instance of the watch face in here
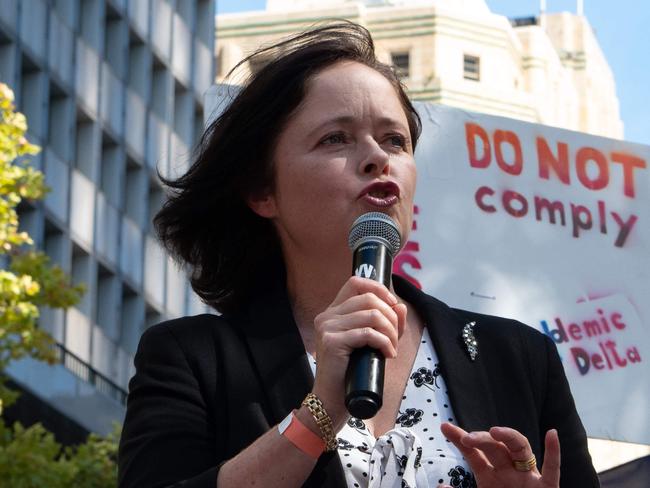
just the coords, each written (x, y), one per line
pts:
(284, 425)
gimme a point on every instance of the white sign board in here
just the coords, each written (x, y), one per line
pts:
(550, 227)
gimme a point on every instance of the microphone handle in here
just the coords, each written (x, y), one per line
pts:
(364, 378)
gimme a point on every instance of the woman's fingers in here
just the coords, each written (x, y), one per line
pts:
(358, 286)
(551, 466)
(362, 303)
(368, 301)
(360, 318)
(496, 452)
(372, 319)
(357, 338)
(515, 441)
(491, 456)
(517, 446)
(474, 457)
(401, 310)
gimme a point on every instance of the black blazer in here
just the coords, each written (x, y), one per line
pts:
(207, 386)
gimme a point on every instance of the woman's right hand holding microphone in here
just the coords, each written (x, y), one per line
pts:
(364, 313)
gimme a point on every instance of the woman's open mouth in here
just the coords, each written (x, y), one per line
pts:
(382, 194)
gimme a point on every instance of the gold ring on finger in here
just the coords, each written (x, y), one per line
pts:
(526, 465)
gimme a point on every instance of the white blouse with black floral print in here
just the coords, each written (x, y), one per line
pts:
(414, 454)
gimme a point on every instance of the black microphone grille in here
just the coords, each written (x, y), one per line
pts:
(375, 224)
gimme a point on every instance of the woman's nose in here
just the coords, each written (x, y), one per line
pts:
(374, 160)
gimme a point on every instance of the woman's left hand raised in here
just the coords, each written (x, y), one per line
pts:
(492, 456)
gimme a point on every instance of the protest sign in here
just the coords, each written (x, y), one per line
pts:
(550, 227)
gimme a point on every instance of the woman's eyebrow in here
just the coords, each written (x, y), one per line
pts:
(391, 122)
(341, 119)
(347, 119)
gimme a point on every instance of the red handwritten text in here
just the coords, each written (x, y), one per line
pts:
(592, 169)
(601, 327)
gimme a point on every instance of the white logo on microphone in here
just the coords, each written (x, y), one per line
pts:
(365, 271)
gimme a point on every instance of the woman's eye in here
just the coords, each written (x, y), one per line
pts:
(334, 139)
(397, 140)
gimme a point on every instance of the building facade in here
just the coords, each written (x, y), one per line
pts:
(547, 69)
(113, 92)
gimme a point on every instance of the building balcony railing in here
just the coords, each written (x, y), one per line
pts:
(86, 372)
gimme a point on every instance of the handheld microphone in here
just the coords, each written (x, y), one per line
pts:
(374, 239)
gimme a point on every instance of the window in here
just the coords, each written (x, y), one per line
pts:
(472, 67)
(161, 86)
(400, 62)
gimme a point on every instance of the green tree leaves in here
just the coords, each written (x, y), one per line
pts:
(31, 457)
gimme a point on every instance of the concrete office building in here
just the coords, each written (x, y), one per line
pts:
(112, 91)
(547, 69)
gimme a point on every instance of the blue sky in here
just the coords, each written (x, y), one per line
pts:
(622, 28)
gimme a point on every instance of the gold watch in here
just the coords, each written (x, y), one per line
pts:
(323, 420)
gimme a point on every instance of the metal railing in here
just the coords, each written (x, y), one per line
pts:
(86, 372)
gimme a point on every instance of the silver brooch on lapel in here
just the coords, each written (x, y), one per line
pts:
(470, 340)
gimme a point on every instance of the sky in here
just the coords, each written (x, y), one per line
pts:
(622, 29)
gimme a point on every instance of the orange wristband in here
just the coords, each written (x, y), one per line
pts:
(301, 437)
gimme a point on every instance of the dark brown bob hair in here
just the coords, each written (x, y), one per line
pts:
(206, 223)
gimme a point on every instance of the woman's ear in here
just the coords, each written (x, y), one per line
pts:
(263, 204)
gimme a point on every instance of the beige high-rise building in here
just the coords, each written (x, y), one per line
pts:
(547, 69)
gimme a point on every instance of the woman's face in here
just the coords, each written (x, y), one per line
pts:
(345, 151)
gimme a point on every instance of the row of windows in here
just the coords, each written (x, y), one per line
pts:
(401, 62)
(111, 100)
(471, 65)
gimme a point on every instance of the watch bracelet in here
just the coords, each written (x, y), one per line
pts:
(323, 420)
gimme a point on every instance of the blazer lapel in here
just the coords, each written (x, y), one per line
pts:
(277, 352)
(466, 380)
(279, 357)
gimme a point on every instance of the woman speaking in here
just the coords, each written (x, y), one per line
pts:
(323, 134)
